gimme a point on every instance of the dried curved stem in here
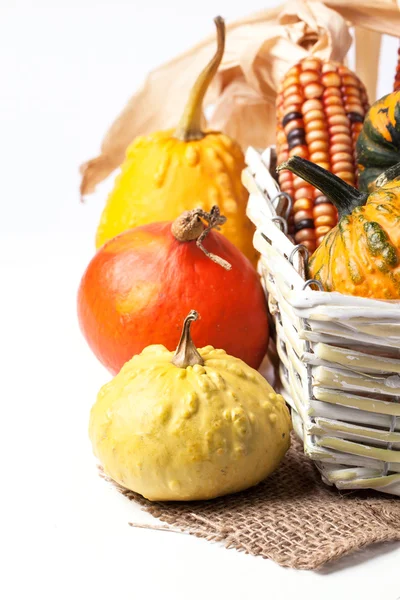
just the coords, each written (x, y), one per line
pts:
(189, 227)
(186, 353)
(189, 127)
(344, 196)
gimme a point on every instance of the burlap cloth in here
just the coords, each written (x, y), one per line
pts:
(292, 517)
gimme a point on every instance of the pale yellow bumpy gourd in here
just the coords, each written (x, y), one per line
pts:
(191, 432)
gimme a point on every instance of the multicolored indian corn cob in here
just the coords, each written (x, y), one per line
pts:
(396, 84)
(320, 109)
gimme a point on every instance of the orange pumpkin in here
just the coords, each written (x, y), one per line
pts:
(139, 287)
(361, 255)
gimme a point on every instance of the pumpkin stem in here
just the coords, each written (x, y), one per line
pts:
(186, 353)
(344, 196)
(189, 227)
(390, 174)
(189, 127)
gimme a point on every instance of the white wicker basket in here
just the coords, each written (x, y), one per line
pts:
(339, 355)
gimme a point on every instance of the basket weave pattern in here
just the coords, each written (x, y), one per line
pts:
(339, 355)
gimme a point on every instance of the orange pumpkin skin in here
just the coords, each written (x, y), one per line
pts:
(139, 287)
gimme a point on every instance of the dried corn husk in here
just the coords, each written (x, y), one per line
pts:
(259, 50)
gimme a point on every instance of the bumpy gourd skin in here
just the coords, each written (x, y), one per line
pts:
(360, 256)
(378, 145)
(190, 433)
(163, 176)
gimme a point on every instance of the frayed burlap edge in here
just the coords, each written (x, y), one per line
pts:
(292, 517)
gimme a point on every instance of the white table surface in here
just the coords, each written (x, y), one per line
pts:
(68, 67)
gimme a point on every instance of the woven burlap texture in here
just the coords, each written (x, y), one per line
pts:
(292, 517)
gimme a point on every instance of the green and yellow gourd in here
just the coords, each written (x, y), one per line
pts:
(361, 255)
(188, 426)
(378, 145)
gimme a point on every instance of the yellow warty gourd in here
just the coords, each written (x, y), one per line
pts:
(188, 426)
(169, 172)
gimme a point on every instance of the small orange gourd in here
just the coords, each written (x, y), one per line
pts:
(168, 172)
(361, 255)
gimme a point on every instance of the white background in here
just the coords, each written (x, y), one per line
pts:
(67, 68)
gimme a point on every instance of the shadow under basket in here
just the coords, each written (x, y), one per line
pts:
(339, 355)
